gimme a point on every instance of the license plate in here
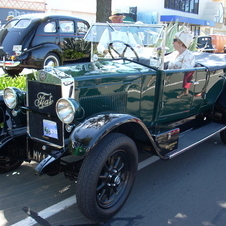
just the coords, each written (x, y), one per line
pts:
(38, 156)
(50, 129)
(17, 48)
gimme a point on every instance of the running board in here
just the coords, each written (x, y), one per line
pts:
(193, 137)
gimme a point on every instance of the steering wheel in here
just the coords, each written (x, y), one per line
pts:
(112, 48)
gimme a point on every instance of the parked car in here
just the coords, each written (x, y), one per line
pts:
(211, 43)
(93, 119)
(38, 40)
(205, 43)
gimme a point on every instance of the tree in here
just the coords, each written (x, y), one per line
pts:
(103, 10)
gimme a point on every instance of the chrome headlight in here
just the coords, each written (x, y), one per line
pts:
(67, 109)
(12, 97)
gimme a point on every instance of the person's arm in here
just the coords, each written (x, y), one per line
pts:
(103, 43)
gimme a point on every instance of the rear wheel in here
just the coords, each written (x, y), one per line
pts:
(51, 60)
(106, 177)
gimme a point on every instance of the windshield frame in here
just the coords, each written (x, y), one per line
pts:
(157, 47)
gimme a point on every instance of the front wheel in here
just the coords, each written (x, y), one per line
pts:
(106, 177)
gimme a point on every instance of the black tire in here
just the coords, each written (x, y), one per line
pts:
(9, 157)
(13, 72)
(223, 136)
(51, 60)
(106, 177)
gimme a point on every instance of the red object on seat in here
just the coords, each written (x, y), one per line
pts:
(187, 78)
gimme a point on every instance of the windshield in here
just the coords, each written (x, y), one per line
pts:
(139, 42)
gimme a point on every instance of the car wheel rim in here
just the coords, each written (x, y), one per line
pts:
(113, 179)
(7, 161)
(51, 62)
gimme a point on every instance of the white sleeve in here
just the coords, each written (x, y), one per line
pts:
(188, 61)
(132, 40)
(104, 40)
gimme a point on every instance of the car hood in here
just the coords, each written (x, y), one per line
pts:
(92, 71)
(104, 68)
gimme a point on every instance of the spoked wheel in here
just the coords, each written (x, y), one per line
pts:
(106, 177)
(9, 158)
(121, 49)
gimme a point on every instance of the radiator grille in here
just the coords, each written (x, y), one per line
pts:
(41, 113)
(100, 103)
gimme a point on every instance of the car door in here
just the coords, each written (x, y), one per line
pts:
(72, 33)
(175, 106)
(46, 34)
(200, 82)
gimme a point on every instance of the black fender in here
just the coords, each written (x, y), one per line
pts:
(34, 57)
(14, 134)
(88, 133)
(13, 127)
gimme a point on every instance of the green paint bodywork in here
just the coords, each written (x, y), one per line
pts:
(147, 94)
(134, 98)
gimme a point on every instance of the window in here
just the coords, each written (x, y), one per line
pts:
(22, 23)
(82, 28)
(50, 27)
(188, 6)
(67, 26)
(11, 23)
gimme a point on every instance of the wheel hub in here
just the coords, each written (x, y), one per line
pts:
(113, 178)
(117, 180)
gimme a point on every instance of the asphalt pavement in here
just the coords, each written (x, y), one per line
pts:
(188, 190)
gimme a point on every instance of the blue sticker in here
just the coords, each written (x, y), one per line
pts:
(50, 129)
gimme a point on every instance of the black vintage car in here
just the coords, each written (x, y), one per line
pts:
(204, 43)
(93, 120)
(37, 40)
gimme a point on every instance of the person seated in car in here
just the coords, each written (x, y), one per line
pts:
(182, 58)
(116, 33)
(67, 29)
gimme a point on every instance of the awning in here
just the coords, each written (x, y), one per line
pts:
(188, 20)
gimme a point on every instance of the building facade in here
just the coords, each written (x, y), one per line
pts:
(16, 8)
(204, 17)
(85, 9)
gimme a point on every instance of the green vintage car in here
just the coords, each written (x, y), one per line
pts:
(92, 120)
